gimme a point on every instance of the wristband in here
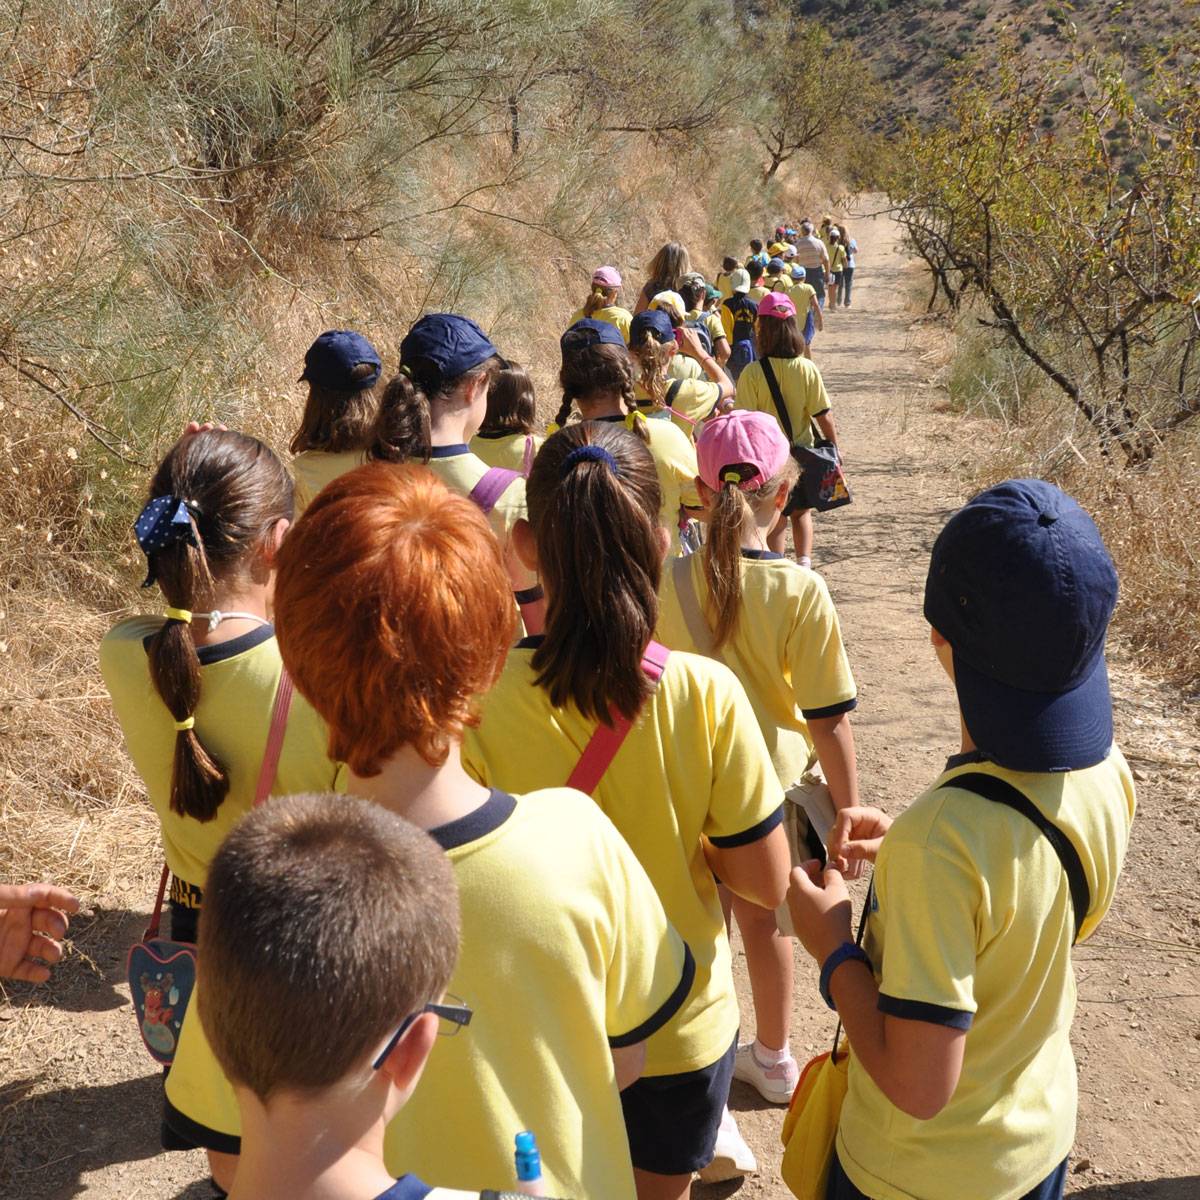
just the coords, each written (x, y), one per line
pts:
(846, 952)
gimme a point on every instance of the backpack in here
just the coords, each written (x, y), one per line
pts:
(700, 328)
(742, 347)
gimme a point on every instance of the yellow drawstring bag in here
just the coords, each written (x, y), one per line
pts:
(810, 1127)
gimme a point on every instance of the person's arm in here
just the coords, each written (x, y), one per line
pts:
(721, 350)
(643, 301)
(818, 315)
(691, 345)
(756, 871)
(834, 742)
(33, 922)
(826, 426)
(915, 1063)
(825, 263)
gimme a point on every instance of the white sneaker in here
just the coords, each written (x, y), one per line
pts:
(774, 1084)
(732, 1158)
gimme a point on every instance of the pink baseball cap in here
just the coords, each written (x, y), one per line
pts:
(776, 304)
(608, 277)
(746, 448)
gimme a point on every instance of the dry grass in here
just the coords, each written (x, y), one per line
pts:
(1150, 516)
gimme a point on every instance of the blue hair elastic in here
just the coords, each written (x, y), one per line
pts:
(588, 453)
(163, 522)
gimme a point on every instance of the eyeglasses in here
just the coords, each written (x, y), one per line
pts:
(451, 1018)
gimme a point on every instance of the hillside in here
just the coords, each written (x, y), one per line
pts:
(914, 46)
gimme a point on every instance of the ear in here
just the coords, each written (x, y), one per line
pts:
(936, 639)
(781, 496)
(406, 1061)
(525, 544)
(274, 540)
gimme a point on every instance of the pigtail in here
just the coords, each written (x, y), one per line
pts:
(595, 518)
(564, 411)
(199, 782)
(653, 359)
(401, 430)
(722, 561)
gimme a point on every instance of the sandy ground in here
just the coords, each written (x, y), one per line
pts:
(79, 1101)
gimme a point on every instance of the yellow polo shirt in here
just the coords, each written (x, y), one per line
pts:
(803, 392)
(313, 469)
(460, 469)
(972, 929)
(694, 764)
(238, 679)
(695, 399)
(787, 649)
(565, 953)
(614, 314)
(507, 450)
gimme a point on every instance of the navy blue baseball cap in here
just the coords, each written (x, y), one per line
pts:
(776, 265)
(589, 332)
(1021, 586)
(443, 346)
(330, 360)
(655, 320)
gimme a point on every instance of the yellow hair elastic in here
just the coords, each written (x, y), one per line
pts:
(405, 370)
(186, 723)
(731, 477)
(179, 614)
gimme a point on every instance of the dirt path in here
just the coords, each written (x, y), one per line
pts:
(79, 1102)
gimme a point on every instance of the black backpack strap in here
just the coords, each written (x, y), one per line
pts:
(990, 787)
(777, 396)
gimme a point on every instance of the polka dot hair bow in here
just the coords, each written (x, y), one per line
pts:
(163, 522)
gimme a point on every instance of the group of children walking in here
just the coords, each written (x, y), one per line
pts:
(563, 708)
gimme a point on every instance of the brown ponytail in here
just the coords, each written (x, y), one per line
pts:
(338, 419)
(401, 430)
(236, 490)
(732, 509)
(600, 554)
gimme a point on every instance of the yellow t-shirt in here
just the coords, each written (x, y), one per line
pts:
(683, 367)
(723, 285)
(233, 716)
(613, 314)
(757, 293)
(565, 953)
(507, 450)
(313, 469)
(675, 463)
(460, 469)
(803, 394)
(972, 929)
(837, 257)
(694, 400)
(693, 764)
(787, 649)
(802, 295)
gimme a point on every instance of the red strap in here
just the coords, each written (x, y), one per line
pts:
(603, 745)
(492, 486)
(266, 779)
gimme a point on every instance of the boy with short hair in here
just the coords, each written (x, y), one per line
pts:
(958, 1007)
(330, 930)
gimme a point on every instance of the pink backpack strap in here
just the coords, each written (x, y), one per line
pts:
(528, 460)
(603, 745)
(492, 486)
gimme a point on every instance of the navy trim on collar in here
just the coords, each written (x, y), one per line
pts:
(487, 818)
(611, 419)
(761, 555)
(962, 760)
(496, 435)
(217, 652)
(407, 1187)
(532, 642)
(449, 451)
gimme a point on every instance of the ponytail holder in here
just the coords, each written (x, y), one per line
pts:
(164, 521)
(406, 370)
(185, 724)
(179, 614)
(588, 453)
(731, 477)
(632, 418)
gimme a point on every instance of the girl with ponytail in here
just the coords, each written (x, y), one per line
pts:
(194, 684)
(773, 623)
(342, 370)
(654, 342)
(690, 787)
(430, 413)
(602, 302)
(597, 379)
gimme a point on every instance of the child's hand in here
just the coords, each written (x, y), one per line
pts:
(820, 908)
(856, 835)
(32, 923)
(690, 343)
(208, 426)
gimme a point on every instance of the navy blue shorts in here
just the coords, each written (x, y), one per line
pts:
(840, 1187)
(672, 1120)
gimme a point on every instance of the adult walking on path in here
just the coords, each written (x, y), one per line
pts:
(812, 255)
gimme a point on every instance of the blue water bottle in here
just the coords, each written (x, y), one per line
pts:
(529, 1165)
